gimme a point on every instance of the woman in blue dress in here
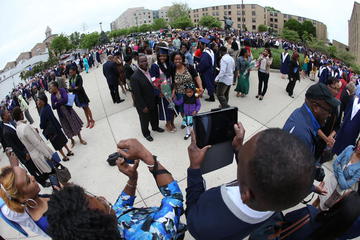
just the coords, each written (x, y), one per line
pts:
(86, 64)
(285, 60)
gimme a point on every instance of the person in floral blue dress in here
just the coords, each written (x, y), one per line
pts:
(74, 213)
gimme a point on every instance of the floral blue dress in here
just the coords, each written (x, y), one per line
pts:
(155, 222)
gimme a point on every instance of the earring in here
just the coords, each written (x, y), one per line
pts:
(33, 204)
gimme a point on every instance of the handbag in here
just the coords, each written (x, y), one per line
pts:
(62, 173)
(71, 100)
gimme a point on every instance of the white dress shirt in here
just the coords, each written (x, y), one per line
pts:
(227, 68)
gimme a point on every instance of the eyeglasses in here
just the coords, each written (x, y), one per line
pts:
(102, 199)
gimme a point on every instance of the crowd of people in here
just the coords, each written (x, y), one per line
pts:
(167, 76)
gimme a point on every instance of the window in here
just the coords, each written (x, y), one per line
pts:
(299, 18)
(275, 14)
(275, 26)
(271, 14)
(275, 19)
(271, 19)
(271, 25)
(254, 20)
(225, 7)
(285, 15)
(229, 12)
(252, 6)
(253, 13)
(243, 6)
(253, 27)
(217, 8)
(239, 19)
(239, 25)
(238, 13)
(243, 13)
(238, 6)
(284, 21)
(149, 17)
(213, 8)
(225, 13)
(243, 19)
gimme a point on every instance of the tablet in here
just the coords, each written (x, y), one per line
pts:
(216, 128)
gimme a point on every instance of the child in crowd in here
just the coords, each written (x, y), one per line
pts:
(191, 107)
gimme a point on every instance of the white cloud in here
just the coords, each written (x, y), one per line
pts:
(23, 23)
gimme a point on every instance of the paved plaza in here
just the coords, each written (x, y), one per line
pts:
(120, 121)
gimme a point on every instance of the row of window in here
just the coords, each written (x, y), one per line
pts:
(238, 6)
(273, 20)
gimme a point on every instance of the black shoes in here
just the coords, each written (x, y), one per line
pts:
(210, 99)
(159, 130)
(187, 136)
(120, 101)
(149, 138)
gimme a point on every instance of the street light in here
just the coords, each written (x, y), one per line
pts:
(100, 26)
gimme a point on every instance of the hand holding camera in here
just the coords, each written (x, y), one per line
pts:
(134, 150)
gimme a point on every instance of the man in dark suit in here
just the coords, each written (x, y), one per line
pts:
(145, 99)
(112, 77)
(11, 140)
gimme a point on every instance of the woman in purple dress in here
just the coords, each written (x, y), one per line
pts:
(69, 120)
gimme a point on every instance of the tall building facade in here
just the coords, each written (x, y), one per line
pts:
(133, 17)
(250, 16)
(354, 31)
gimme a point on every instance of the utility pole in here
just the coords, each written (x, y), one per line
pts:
(100, 26)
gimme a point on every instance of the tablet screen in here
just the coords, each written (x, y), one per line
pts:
(215, 127)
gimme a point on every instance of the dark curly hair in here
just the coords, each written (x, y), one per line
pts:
(70, 218)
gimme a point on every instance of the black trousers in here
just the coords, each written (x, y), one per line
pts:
(114, 91)
(151, 117)
(263, 83)
(222, 93)
(291, 85)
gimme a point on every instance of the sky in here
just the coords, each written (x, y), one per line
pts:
(23, 22)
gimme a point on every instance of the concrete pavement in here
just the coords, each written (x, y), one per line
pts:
(120, 121)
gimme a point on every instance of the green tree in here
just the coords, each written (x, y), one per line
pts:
(182, 22)
(60, 44)
(103, 39)
(90, 40)
(134, 29)
(75, 39)
(159, 23)
(145, 28)
(309, 27)
(262, 28)
(293, 24)
(271, 9)
(209, 22)
(178, 10)
(290, 35)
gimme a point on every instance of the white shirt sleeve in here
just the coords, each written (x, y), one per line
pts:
(23, 219)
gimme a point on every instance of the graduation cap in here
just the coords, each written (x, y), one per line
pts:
(204, 40)
(164, 50)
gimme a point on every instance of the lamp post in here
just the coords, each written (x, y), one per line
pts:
(100, 26)
(242, 16)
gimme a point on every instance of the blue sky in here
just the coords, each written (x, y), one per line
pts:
(23, 23)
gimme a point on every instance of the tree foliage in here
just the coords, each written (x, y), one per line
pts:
(209, 22)
(182, 22)
(271, 9)
(159, 23)
(294, 25)
(290, 35)
(145, 28)
(103, 38)
(90, 40)
(262, 28)
(309, 27)
(178, 10)
(60, 44)
(75, 39)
